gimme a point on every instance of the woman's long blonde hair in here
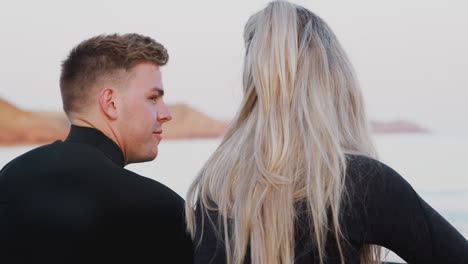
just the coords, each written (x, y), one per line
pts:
(301, 112)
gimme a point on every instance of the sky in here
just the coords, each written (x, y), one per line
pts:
(411, 57)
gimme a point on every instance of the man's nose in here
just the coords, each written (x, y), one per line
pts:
(164, 113)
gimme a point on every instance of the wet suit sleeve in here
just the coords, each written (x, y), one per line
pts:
(400, 220)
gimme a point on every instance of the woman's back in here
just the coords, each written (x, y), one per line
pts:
(382, 209)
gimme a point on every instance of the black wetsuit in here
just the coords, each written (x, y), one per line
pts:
(73, 202)
(383, 209)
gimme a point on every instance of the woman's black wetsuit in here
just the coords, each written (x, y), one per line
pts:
(383, 209)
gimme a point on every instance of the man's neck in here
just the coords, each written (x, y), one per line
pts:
(105, 128)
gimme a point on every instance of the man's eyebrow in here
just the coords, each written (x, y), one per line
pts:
(160, 91)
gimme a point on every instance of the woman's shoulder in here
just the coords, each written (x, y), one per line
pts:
(361, 161)
(370, 176)
(362, 167)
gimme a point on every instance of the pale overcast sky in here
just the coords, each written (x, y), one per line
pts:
(411, 56)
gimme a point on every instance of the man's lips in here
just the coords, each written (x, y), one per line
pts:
(158, 134)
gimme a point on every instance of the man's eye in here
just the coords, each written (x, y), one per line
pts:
(154, 98)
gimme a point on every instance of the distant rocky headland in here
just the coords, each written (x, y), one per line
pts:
(20, 127)
(398, 126)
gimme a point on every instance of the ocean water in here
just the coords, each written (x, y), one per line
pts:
(435, 166)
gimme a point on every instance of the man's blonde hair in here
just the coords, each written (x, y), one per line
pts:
(104, 56)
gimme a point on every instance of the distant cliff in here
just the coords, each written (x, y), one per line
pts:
(187, 122)
(398, 126)
(22, 127)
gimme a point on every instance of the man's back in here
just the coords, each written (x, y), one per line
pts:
(73, 202)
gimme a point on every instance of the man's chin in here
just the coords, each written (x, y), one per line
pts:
(150, 157)
(145, 159)
(154, 154)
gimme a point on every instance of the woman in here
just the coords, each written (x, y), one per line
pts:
(295, 179)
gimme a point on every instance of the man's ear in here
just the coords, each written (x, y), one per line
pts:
(107, 105)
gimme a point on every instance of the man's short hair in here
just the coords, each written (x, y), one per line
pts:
(104, 56)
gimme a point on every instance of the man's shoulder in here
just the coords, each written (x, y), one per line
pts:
(38, 152)
(53, 152)
(150, 186)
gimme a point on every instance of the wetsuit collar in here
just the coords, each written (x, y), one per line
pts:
(96, 138)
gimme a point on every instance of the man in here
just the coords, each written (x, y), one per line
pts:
(72, 201)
